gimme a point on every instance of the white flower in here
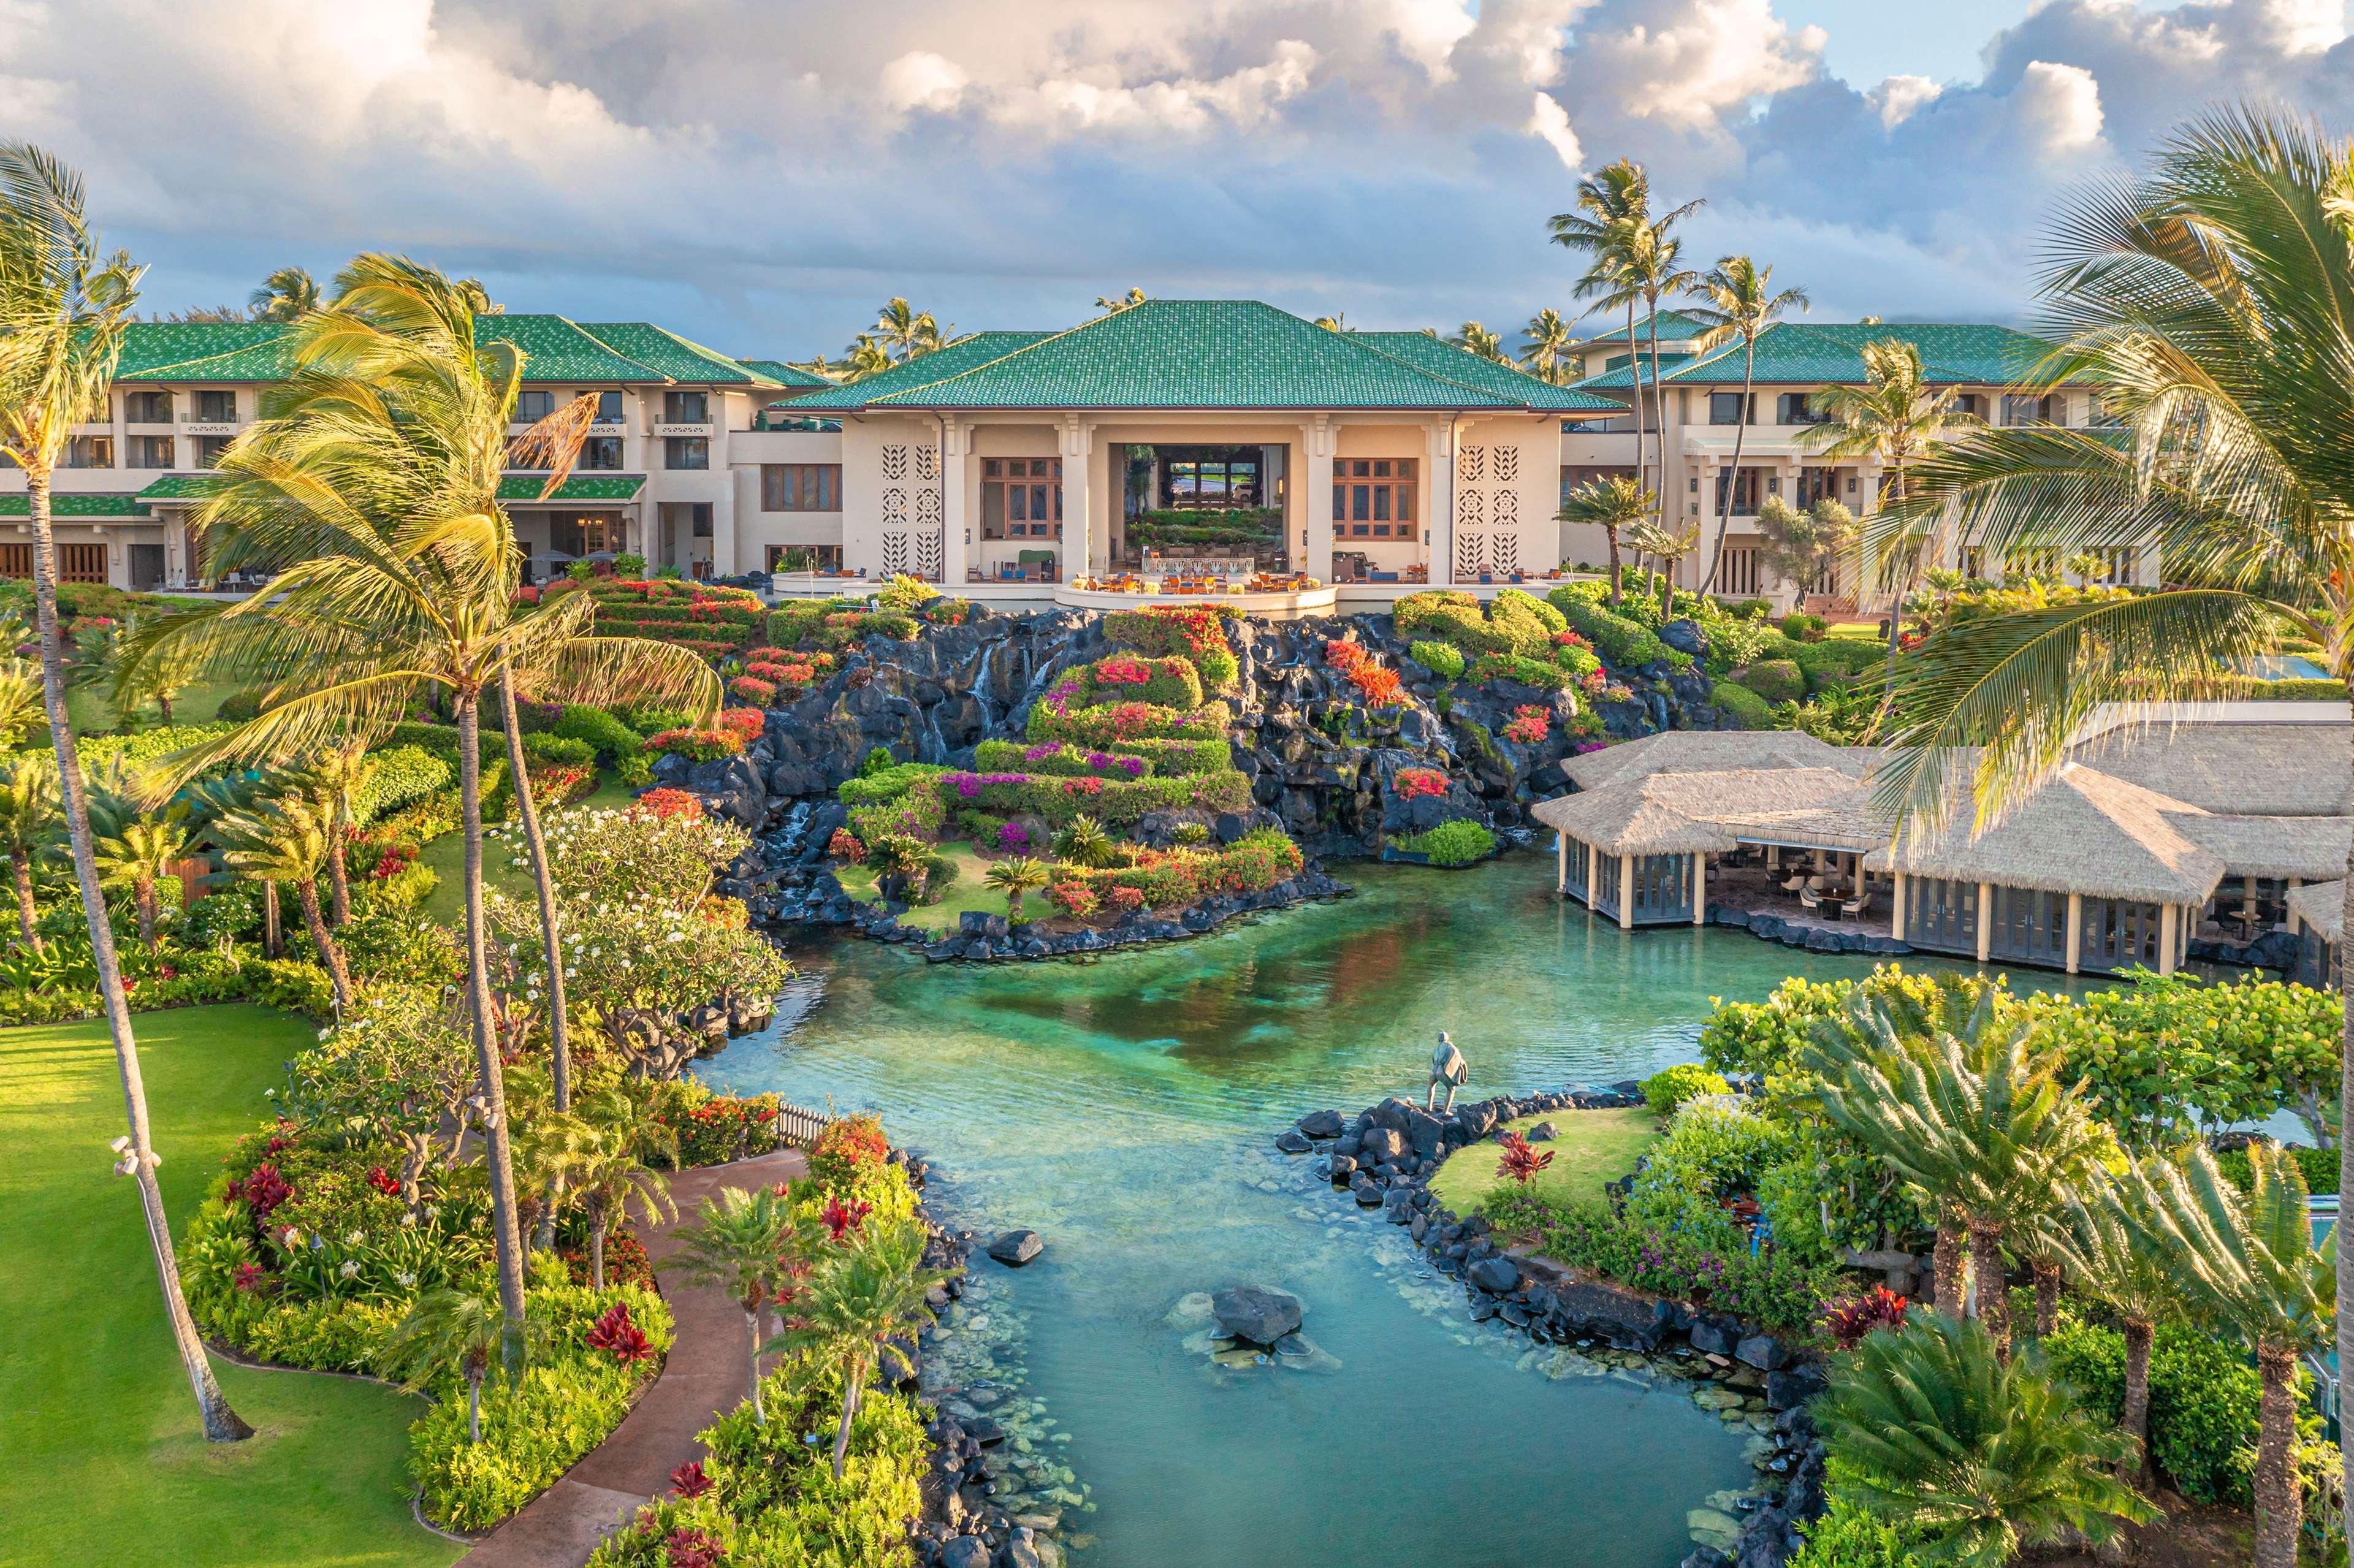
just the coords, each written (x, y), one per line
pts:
(432, 1211)
(408, 1219)
(408, 1280)
(349, 1268)
(354, 1238)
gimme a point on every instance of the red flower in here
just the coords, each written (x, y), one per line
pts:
(248, 1276)
(1850, 1321)
(666, 803)
(382, 1180)
(688, 1480)
(692, 1549)
(1414, 783)
(615, 1333)
(262, 1189)
(841, 1219)
(844, 847)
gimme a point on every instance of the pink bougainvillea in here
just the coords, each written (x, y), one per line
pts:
(1529, 726)
(1414, 783)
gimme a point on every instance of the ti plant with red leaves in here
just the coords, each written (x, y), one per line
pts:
(1879, 1307)
(1523, 1159)
(688, 1480)
(617, 1334)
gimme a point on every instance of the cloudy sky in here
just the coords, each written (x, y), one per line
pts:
(759, 173)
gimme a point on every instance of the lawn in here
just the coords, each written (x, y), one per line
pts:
(967, 892)
(1594, 1147)
(93, 714)
(447, 855)
(100, 1457)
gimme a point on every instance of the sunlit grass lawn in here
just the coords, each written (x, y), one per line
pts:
(93, 714)
(967, 892)
(102, 1461)
(1594, 1147)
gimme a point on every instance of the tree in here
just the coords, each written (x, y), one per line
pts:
(1014, 877)
(905, 332)
(1112, 304)
(864, 357)
(1337, 321)
(138, 857)
(1476, 339)
(1737, 302)
(857, 1301)
(286, 839)
(1933, 1429)
(28, 825)
(288, 294)
(455, 1333)
(606, 1173)
(1548, 338)
(1806, 548)
(1616, 505)
(551, 925)
(402, 1062)
(2097, 1240)
(736, 1243)
(1650, 539)
(2250, 1266)
(64, 307)
(333, 779)
(372, 487)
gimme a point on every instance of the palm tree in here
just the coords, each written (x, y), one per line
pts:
(1112, 304)
(1670, 549)
(290, 840)
(1965, 1107)
(560, 1041)
(288, 294)
(863, 358)
(1548, 338)
(333, 778)
(2097, 1241)
(141, 854)
(1738, 301)
(1615, 505)
(605, 1173)
(2249, 1263)
(28, 825)
(1932, 1429)
(736, 1242)
(454, 1331)
(856, 1303)
(1014, 877)
(372, 485)
(1894, 418)
(1476, 339)
(63, 310)
(1337, 321)
(905, 332)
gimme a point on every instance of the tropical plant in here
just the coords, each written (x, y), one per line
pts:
(1616, 505)
(1112, 304)
(28, 826)
(1975, 1457)
(858, 1300)
(2248, 1264)
(606, 1174)
(371, 486)
(1668, 549)
(1083, 843)
(1806, 548)
(286, 839)
(1737, 301)
(1473, 338)
(1546, 345)
(2097, 1240)
(738, 1242)
(905, 332)
(1015, 876)
(64, 307)
(288, 294)
(333, 777)
(138, 855)
(456, 1333)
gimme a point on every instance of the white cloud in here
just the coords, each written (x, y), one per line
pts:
(1899, 96)
(922, 79)
(2060, 105)
(1549, 123)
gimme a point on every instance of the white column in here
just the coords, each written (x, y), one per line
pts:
(2168, 916)
(2075, 932)
(956, 552)
(1896, 909)
(1625, 892)
(1440, 510)
(1078, 511)
(1317, 439)
(1699, 890)
(1986, 920)
(1560, 881)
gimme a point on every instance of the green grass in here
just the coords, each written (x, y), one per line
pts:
(93, 714)
(447, 855)
(100, 1457)
(1594, 1147)
(968, 892)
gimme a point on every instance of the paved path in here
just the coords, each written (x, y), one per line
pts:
(703, 1377)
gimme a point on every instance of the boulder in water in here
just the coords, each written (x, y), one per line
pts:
(1256, 1313)
(1015, 1248)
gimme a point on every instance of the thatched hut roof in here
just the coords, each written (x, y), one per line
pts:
(2083, 832)
(2313, 848)
(1708, 751)
(1679, 813)
(2322, 905)
(2250, 769)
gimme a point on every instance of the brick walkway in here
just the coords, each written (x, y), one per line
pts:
(703, 1377)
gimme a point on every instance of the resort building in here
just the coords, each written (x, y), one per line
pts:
(2213, 824)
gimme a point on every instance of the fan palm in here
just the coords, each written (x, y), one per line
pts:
(1736, 301)
(288, 840)
(605, 1175)
(1965, 1107)
(1015, 876)
(28, 825)
(286, 294)
(1476, 339)
(1546, 340)
(2249, 1265)
(1650, 539)
(372, 483)
(737, 1242)
(455, 1333)
(64, 310)
(905, 332)
(1617, 505)
(858, 1301)
(138, 857)
(2097, 1241)
(1976, 1456)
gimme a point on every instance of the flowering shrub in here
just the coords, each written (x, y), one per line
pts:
(753, 690)
(848, 1147)
(1416, 783)
(743, 723)
(1195, 632)
(1121, 670)
(700, 745)
(1168, 682)
(1165, 879)
(666, 803)
(1012, 836)
(1124, 898)
(1375, 681)
(714, 1130)
(1530, 724)
(618, 1337)
(1570, 640)
(1073, 897)
(555, 783)
(845, 847)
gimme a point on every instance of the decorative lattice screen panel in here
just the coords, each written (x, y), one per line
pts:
(895, 461)
(895, 553)
(927, 557)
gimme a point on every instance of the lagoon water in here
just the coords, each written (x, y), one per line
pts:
(1125, 1108)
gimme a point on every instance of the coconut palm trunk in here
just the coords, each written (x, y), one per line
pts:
(221, 1424)
(505, 1224)
(2280, 1502)
(1740, 434)
(474, 1404)
(331, 952)
(1635, 379)
(21, 864)
(597, 1244)
(559, 1045)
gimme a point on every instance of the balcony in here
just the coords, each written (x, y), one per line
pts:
(669, 427)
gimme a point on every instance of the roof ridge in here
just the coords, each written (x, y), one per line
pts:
(608, 348)
(1495, 398)
(1016, 353)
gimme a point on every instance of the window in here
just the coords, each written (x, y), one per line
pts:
(1741, 577)
(209, 450)
(90, 451)
(801, 487)
(702, 519)
(1212, 482)
(686, 451)
(151, 452)
(1815, 484)
(1971, 404)
(2021, 409)
(804, 558)
(609, 408)
(602, 453)
(534, 406)
(1744, 493)
(81, 563)
(148, 408)
(1021, 498)
(1726, 408)
(217, 408)
(1797, 408)
(1372, 498)
(686, 409)
(15, 561)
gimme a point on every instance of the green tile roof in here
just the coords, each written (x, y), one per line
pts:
(1675, 326)
(1620, 378)
(1195, 353)
(784, 374)
(1807, 353)
(205, 350)
(68, 504)
(527, 487)
(981, 348)
(178, 487)
(556, 349)
(1440, 357)
(669, 355)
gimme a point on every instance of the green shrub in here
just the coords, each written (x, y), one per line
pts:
(893, 625)
(1459, 842)
(1186, 631)
(2202, 1402)
(1669, 1087)
(886, 784)
(1775, 680)
(612, 739)
(1849, 1536)
(238, 707)
(398, 776)
(1169, 682)
(2319, 1165)
(1547, 675)
(1623, 642)
(1748, 709)
(1440, 659)
(1800, 626)
(1834, 656)
(1450, 615)
(902, 592)
(1528, 624)
(558, 748)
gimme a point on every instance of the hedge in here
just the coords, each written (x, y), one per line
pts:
(1118, 723)
(611, 738)
(1166, 879)
(1442, 660)
(2202, 1402)
(1747, 709)
(399, 776)
(1057, 759)
(1775, 680)
(1450, 615)
(1183, 631)
(1168, 682)
(1622, 641)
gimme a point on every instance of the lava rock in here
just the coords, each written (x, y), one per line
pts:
(1543, 1133)
(1382, 1143)
(1499, 1274)
(965, 1551)
(1015, 1248)
(1256, 1313)
(1714, 1338)
(1763, 1352)
(1320, 1124)
(1293, 1142)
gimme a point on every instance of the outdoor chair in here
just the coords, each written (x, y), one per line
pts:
(1856, 907)
(1808, 898)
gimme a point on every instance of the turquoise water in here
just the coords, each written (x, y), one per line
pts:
(1125, 1109)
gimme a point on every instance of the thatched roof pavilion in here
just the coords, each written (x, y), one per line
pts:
(2251, 769)
(2321, 908)
(1708, 751)
(1679, 813)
